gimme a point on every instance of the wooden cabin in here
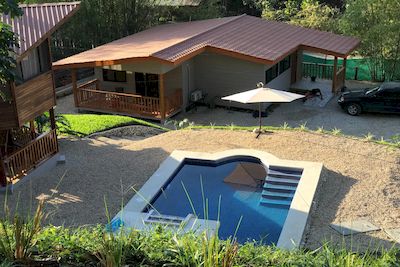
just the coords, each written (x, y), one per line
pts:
(169, 68)
(32, 94)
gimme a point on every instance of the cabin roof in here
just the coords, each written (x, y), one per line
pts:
(38, 22)
(242, 36)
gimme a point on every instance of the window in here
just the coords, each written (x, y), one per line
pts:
(284, 65)
(271, 73)
(277, 69)
(114, 75)
(146, 84)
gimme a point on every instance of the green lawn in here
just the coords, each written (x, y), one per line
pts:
(86, 124)
(363, 72)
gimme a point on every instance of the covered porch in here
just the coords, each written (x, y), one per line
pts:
(328, 76)
(156, 97)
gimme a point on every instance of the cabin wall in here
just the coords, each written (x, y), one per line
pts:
(34, 97)
(36, 62)
(8, 117)
(173, 80)
(219, 75)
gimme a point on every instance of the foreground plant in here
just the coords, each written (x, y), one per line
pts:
(18, 236)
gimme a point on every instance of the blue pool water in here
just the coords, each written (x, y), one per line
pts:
(259, 222)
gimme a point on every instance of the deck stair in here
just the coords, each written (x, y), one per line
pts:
(280, 186)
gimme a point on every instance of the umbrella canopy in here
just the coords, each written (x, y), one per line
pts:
(261, 95)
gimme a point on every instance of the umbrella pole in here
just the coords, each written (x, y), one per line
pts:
(259, 117)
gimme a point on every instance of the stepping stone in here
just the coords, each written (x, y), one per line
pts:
(354, 227)
(394, 234)
(61, 159)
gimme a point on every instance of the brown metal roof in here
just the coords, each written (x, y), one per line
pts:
(38, 22)
(244, 36)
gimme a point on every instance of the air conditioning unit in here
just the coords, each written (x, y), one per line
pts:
(196, 95)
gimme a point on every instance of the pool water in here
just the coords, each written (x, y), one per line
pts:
(239, 206)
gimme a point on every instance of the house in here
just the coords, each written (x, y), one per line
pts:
(32, 94)
(161, 71)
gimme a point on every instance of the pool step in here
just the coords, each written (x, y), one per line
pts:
(154, 217)
(272, 194)
(288, 187)
(282, 180)
(280, 186)
(279, 202)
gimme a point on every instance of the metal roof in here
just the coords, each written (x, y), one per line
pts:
(243, 36)
(38, 22)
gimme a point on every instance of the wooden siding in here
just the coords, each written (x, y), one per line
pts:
(34, 97)
(7, 115)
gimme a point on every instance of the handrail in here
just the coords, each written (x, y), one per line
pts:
(85, 84)
(119, 94)
(318, 70)
(27, 157)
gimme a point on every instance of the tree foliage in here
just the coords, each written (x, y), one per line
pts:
(377, 24)
(306, 13)
(8, 40)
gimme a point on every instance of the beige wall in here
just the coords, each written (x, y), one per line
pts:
(129, 85)
(173, 80)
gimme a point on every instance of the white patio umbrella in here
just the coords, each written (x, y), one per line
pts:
(263, 95)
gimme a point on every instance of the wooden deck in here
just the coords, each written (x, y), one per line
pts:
(89, 97)
(326, 72)
(24, 159)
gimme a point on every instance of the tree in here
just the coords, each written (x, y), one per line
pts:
(306, 13)
(8, 40)
(377, 24)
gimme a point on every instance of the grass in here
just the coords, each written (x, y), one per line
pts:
(162, 247)
(86, 124)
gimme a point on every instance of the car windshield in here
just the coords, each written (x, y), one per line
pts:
(373, 90)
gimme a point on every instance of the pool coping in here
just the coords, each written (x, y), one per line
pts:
(297, 218)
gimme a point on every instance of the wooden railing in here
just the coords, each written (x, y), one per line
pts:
(90, 97)
(29, 156)
(318, 70)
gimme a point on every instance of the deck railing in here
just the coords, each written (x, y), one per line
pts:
(29, 156)
(318, 70)
(90, 97)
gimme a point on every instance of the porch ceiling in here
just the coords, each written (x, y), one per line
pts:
(246, 37)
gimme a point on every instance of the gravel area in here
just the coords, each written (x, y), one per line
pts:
(361, 179)
(128, 132)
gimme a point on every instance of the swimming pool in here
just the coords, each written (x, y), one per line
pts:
(228, 191)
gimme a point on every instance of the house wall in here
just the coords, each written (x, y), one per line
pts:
(188, 80)
(219, 75)
(173, 80)
(129, 85)
(36, 62)
(173, 75)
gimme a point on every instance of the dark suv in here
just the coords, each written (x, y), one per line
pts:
(385, 99)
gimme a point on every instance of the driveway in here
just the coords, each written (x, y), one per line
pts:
(296, 113)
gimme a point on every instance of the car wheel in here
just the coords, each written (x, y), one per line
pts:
(353, 109)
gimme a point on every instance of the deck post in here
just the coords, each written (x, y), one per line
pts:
(294, 67)
(334, 75)
(32, 127)
(3, 176)
(74, 87)
(52, 118)
(162, 97)
(344, 69)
